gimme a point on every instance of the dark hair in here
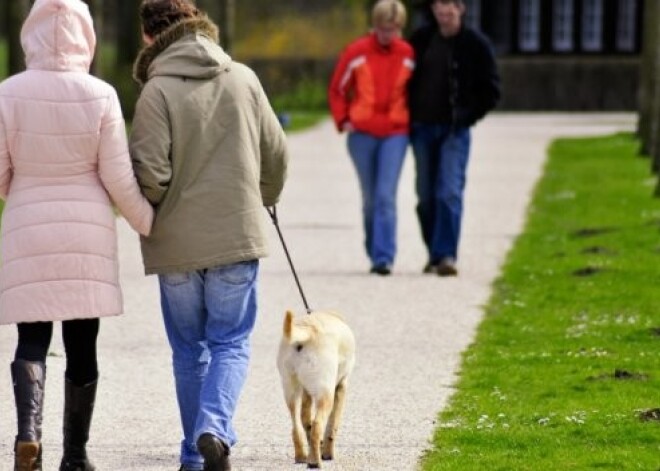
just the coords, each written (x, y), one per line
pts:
(158, 15)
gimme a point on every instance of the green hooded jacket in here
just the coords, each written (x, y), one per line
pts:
(207, 149)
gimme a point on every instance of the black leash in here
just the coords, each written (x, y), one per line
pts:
(272, 211)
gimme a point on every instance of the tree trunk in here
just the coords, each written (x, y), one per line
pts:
(647, 90)
(96, 10)
(212, 8)
(15, 13)
(128, 34)
(654, 128)
(127, 48)
(227, 24)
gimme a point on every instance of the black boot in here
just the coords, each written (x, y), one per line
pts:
(29, 378)
(78, 409)
(215, 453)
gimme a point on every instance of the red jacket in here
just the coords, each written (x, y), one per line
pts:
(368, 86)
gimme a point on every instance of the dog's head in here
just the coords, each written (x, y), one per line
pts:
(298, 333)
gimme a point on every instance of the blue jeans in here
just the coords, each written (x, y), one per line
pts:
(378, 163)
(441, 159)
(209, 315)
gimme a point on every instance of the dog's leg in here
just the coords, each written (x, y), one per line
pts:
(334, 421)
(293, 403)
(306, 415)
(323, 409)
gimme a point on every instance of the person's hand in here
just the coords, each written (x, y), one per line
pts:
(348, 127)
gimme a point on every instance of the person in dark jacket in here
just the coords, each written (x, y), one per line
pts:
(455, 83)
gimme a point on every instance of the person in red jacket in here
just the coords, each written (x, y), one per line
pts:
(368, 100)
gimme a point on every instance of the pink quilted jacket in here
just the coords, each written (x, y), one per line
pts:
(63, 158)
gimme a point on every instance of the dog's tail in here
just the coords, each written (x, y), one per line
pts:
(288, 324)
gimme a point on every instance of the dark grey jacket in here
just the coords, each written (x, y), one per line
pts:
(474, 81)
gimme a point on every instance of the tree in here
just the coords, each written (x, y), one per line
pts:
(649, 94)
(15, 13)
(127, 46)
(96, 10)
(654, 128)
(211, 8)
(223, 12)
(227, 24)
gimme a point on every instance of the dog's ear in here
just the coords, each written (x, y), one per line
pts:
(288, 324)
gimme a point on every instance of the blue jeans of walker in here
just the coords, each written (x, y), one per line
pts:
(441, 159)
(209, 315)
(378, 162)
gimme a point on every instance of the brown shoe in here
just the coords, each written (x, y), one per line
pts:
(382, 270)
(447, 267)
(430, 268)
(215, 453)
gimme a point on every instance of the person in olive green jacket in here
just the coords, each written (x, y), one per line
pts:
(209, 154)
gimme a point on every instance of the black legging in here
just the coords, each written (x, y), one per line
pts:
(79, 337)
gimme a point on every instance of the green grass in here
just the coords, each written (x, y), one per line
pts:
(302, 120)
(577, 300)
(305, 104)
(307, 94)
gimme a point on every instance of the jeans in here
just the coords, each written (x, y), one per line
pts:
(441, 158)
(378, 162)
(209, 315)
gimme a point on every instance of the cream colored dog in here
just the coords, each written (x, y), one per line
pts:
(316, 356)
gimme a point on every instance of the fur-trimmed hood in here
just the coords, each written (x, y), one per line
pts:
(186, 49)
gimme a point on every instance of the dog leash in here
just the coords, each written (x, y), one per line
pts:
(272, 211)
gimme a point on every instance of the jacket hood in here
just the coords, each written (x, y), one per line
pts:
(187, 49)
(58, 35)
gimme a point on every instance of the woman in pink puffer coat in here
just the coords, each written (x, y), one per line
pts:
(63, 161)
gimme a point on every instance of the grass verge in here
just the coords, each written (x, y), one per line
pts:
(565, 370)
(303, 106)
(302, 120)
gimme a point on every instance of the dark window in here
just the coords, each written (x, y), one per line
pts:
(532, 27)
(626, 33)
(563, 15)
(499, 23)
(592, 25)
(529, 28)
(473, 13)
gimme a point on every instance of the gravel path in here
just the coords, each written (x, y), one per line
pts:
(410, 328)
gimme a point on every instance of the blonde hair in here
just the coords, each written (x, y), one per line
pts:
(388, 11)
